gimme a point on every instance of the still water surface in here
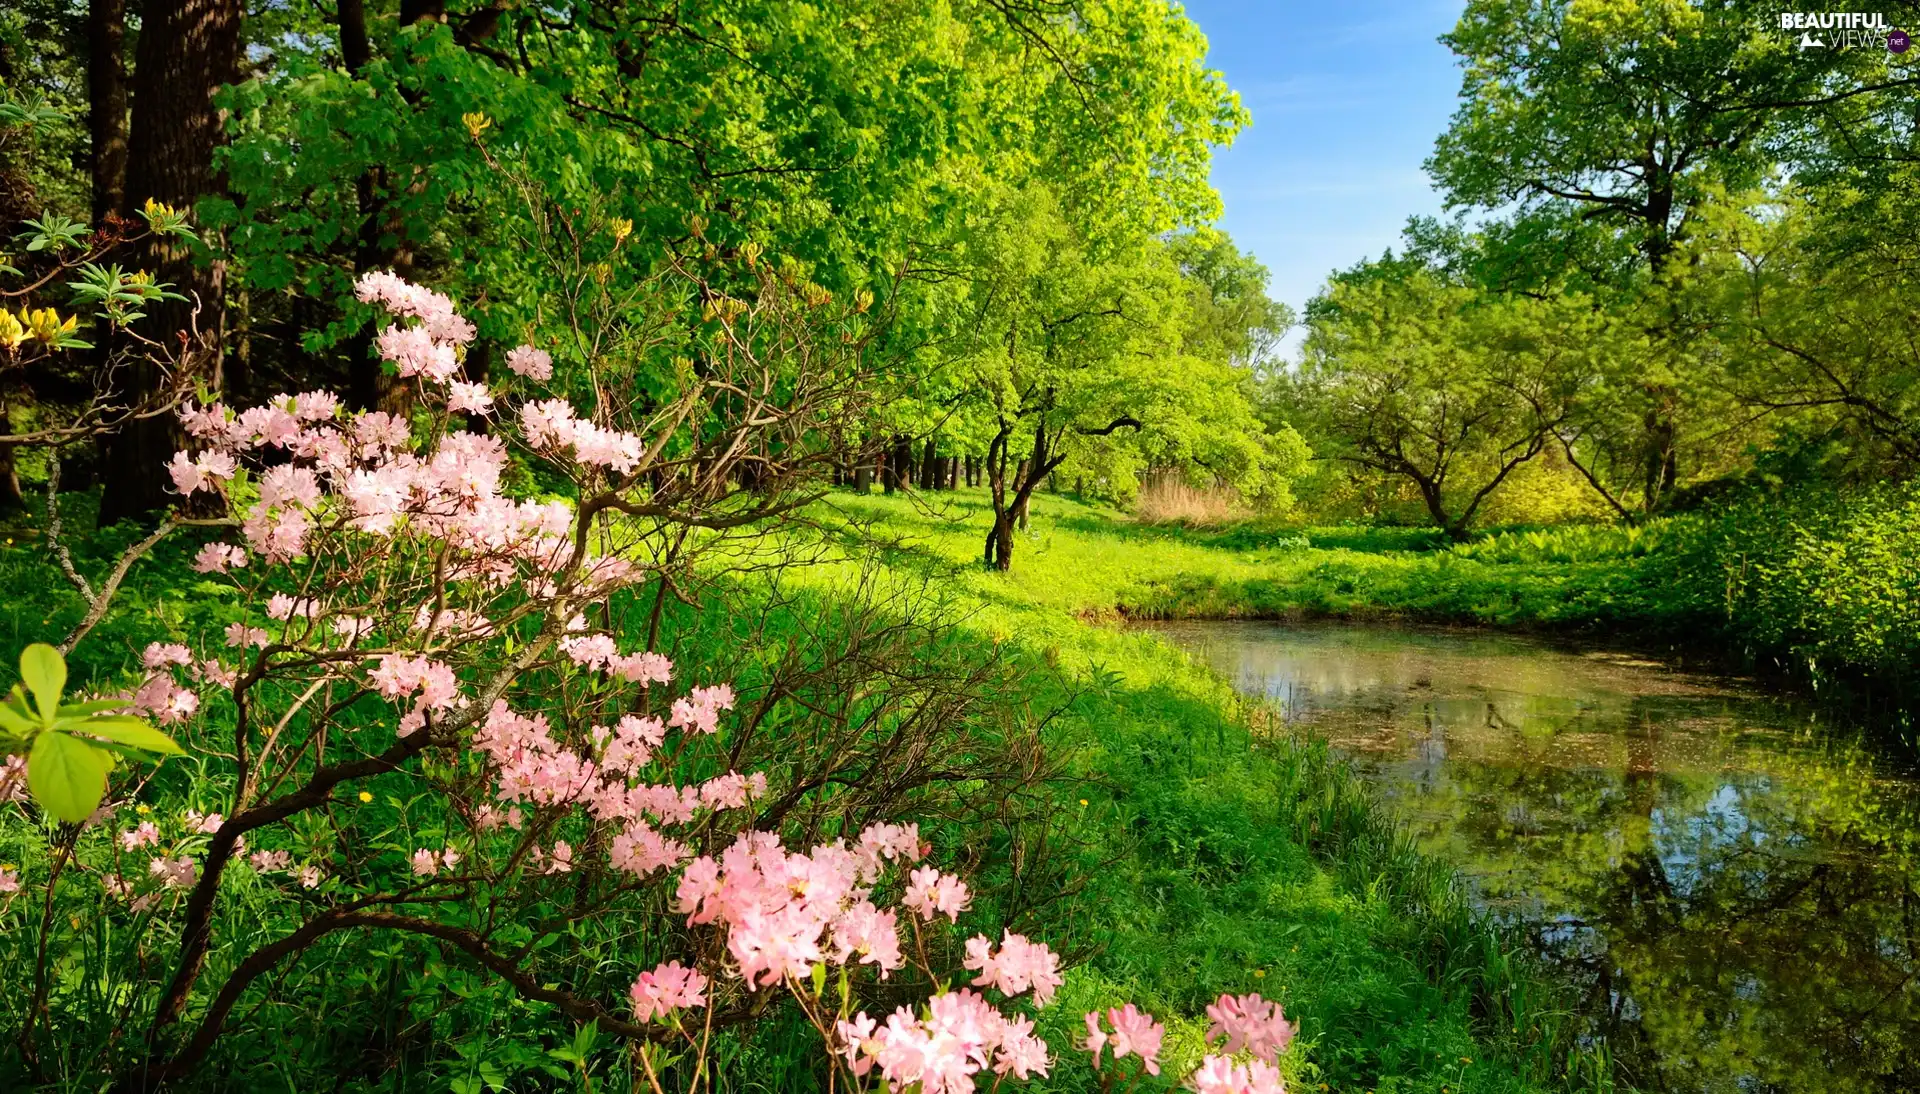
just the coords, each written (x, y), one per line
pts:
(1733, 881)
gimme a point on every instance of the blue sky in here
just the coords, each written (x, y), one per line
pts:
(1347, 97)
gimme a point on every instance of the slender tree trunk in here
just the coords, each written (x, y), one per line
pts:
(107, 104)
(187, 49)
(11, 498)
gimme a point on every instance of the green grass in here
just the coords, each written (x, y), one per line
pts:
(1241, 859)
(1219, 854)
(1087, 559)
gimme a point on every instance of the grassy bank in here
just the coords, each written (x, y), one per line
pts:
(1212, 852)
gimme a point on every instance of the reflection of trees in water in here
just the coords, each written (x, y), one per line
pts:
(1759, 926)
(1738, 901)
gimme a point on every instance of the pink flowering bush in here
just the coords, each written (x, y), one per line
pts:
(479, 667)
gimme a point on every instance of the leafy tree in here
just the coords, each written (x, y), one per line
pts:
(1443, 385)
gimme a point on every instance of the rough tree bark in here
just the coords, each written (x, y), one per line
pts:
(107, 104)
(187, 49)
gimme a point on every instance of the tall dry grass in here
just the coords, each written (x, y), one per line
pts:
(1169, 498)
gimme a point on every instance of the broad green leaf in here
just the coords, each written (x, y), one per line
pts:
(125, 729)
(68, 777)
(45, 673)
(16, 723)
(92, 706)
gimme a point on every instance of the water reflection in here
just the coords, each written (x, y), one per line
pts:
(1732, 881)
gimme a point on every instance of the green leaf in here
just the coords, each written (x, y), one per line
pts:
(16, 722)
(45, 672)
(92, 706)
(124, 729)
(68, 777)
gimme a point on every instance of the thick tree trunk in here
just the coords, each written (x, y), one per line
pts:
(929, 465)
(897, 472)
(107, 104)
(187, 49)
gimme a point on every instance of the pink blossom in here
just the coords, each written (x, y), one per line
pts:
(158, 655)
(204, 472)
(466, 398)
(641, 668)
(425, 863)
(378, 429)
(665, 989)
(9, 880)
(1018, 966)
(589, 651)
(163, 700)
(310, 877)
(881, 842)
(146, 835)
(560, 861)
(265, 861)
(1251, 1023)
(1134, 1032)
(13, 780)
(206, 825)
(398, 677)
(287, 484)
(213, 672)
(534, 364)
(858, 1045)
(415, 352)
(207, 423)
(281, 535)
(240, 636)
(1220, 1075)
(268, 425)
(931, 893)
(866, 930)
(315, 406)
(175, 873)
(282, 606)
(640, 850)
(1021, 1053)
(218, 558)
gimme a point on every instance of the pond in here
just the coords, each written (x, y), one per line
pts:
(1729, 878)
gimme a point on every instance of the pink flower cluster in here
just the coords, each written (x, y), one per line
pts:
(1019, 965)
(932, 893)
(1220, 1075)
(550, 423)
(665, 989)
(961, 1035)
(779, 908)
(427, 863)
(161, 697)
(1131, 1032)
(534, 364)
(1251, 1023)
(429, 349)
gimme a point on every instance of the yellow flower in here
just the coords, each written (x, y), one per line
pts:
(11, 332)
(46, 325)
(476, 123)
(1083, 801)
(6, 866)
(1259, 972)
(365, 797)
(143, 809)
(622, 228)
